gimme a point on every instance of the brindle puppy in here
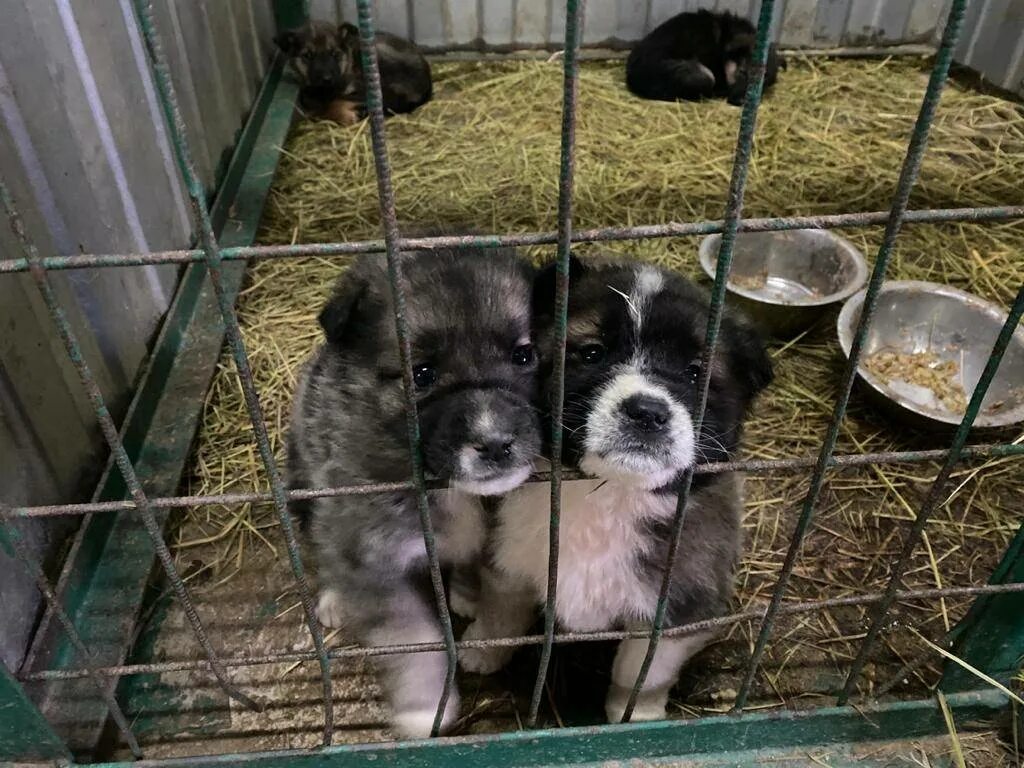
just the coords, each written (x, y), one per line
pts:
(475, 376)
(327, 60)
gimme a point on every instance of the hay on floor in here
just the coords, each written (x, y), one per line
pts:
(830, 139)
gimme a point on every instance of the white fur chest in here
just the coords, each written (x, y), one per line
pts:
(600, 583)
(462, 536)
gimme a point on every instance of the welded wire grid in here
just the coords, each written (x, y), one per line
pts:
(212, 256)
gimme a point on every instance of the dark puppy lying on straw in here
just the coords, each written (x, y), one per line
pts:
(468, 314)
(695, 56)
(635, 342)
(327, 59)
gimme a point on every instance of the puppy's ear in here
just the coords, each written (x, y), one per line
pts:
(290, 41)
(748, 357)
(348, 35)
(545, 281)
(335, 316)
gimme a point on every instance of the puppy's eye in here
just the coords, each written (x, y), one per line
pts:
(307, 55)
(693, 372)
(424, 376)
(523, 354)
(591, 354)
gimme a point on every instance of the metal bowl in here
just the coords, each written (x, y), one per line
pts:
(949, 327)
(786, 281)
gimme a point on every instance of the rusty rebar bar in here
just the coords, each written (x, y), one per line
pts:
(600, 234)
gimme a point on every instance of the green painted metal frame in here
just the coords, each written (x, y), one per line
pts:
(24, 732)
(740, 740)
(991, 636)
(104, 579)
(114, 557)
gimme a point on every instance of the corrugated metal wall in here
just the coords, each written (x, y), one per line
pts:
(84, 151)
(993, 42)
(504, 24)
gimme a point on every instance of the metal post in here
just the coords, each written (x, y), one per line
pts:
(213, 261)
(733, 211)
(574, 13)
(908, 175)
(389, 219)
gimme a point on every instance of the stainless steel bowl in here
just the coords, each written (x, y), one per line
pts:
(948, 326)
(786, 281)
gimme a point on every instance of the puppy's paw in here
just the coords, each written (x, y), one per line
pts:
(650, 705)
(330, 609)
(482, 661)
(463, 602)
(417, 723)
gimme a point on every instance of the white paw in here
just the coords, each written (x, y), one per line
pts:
(330, 609)
(650, 705)
(482, 661)
(417, 724)
(463, 603)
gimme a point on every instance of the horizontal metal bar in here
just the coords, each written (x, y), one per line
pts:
(287, 657)
(841, 461)
(601, 234)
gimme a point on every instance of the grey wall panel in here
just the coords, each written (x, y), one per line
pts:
(993, 42)
(428, 23)
(453, 24)
(87, 157)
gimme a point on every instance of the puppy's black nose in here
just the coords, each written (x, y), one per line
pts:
(495, 449)
(649, 414)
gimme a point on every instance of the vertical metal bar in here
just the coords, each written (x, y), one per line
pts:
(733, 212)
(11, 542)
(574, 13)
(908, 175)
(389, 220)
(109, 430)
(935, 494)
(212, 259)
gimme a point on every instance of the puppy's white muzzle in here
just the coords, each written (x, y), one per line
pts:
(644, 446)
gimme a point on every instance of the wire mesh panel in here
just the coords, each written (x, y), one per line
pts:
(214, 257)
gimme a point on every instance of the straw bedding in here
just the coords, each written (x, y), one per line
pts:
(830, 139)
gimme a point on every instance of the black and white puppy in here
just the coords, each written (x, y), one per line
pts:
(693, 56)
(475, 372)
(635, 337)
(327, 59)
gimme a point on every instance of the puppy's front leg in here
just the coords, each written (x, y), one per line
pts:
(414, 682)
(672, 653)
(506, 609)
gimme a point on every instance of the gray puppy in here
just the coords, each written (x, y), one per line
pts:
(474, 370)
(635, 340)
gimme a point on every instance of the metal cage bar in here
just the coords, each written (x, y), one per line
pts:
(10, 541)
(574, 13)
(389, 221)
(934, 496)
(113, 439)
(213, 262)
(841, 461)
(600, 234)
(287, 657)
(907, 178)
(733, 212)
